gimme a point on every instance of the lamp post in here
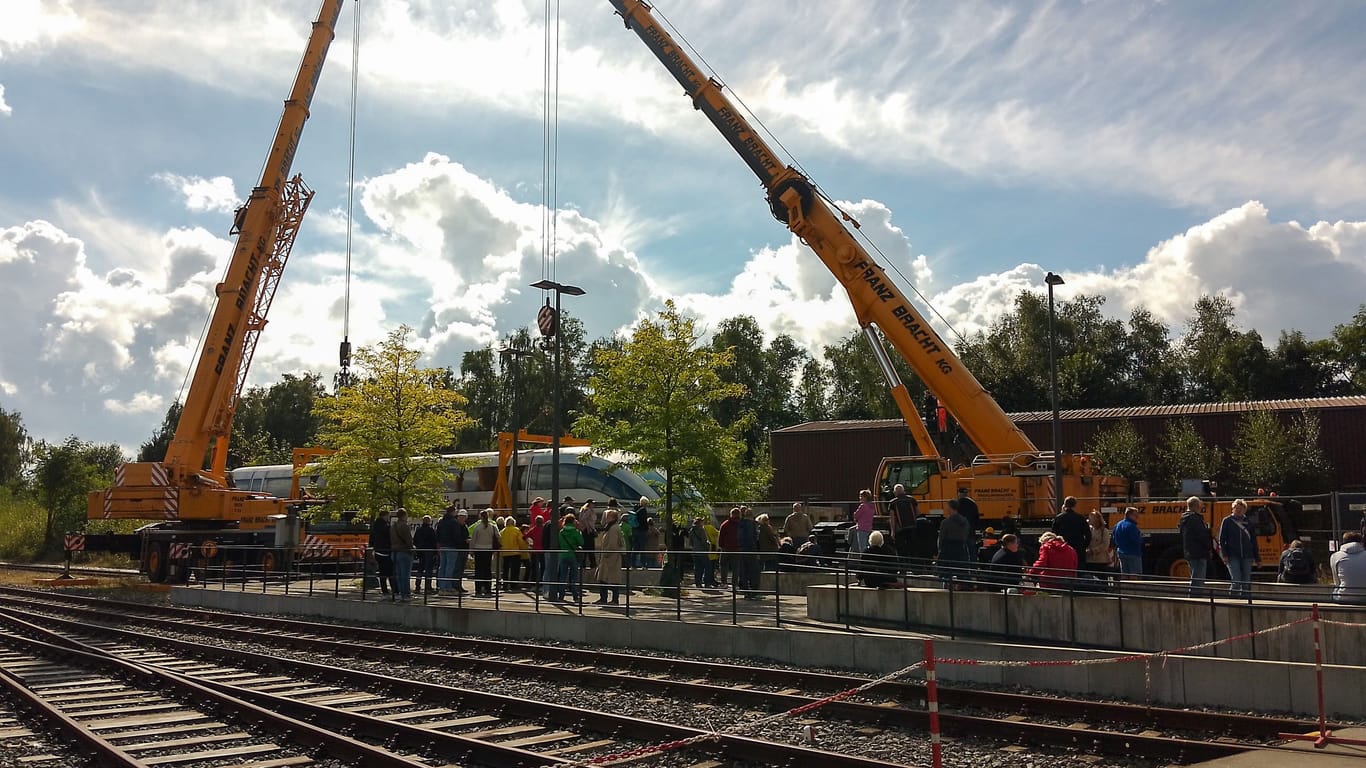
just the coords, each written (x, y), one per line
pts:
(549, 322)
(1052, 280)
(513, 354)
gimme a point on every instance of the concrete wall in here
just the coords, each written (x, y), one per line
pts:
(1100, 621)
(1176, 681)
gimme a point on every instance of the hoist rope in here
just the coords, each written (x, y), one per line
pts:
(351, 167)
(550, 138)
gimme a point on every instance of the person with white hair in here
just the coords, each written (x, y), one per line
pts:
(877, 565)
(640, 525)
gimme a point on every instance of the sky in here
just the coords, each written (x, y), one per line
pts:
(1149, 152)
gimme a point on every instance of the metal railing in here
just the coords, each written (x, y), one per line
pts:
(749, 587)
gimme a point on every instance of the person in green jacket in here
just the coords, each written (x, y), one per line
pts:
(571, 541)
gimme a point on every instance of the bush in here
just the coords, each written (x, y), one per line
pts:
(21, 528)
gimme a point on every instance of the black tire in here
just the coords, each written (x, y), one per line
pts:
(1172, 564)
(156, 562)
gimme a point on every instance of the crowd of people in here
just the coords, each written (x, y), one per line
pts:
(550, 553)
(560, 549)
(1081, 551)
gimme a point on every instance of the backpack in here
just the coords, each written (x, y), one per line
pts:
(1297, 563)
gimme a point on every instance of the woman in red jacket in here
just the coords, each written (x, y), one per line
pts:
(1057, 563)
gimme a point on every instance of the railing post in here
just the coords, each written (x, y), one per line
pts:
(932, 701)
(777, 595)
(953, 620)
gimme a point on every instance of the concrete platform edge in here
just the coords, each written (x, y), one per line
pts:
(1181, 681)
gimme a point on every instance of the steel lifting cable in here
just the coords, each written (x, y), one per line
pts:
(757, 121)
(344, 352)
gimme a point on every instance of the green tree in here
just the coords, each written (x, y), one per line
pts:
(1349, 353)
(387, 429)
(1156, 376)
(1223, 364)
(666, 385)
(1182, 454)
(766, 375)
(1120, 450)
(63, 475)
(155, 448)
(270, 422)
(1269, 454)
(14, 448)
(812, 401)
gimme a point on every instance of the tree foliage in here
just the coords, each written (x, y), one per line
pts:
(270, 422)
(155, 448)
(1269, 454)
(765, 372)
(666, 386)
(14, 449)
(388, 429)
(63, 475)
(1183, 454)
(1120, 450)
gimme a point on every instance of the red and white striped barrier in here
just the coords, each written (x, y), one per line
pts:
(932, 692)
(73, 542)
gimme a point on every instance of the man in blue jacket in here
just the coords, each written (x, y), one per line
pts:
(1128, 541)
(1238, 548)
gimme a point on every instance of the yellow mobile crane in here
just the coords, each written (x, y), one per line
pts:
(1012, 480)
(195, 507)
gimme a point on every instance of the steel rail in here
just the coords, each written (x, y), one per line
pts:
(1225, 723)
(67, 649)
(1109, 742)
(729, 746)
(105, 753)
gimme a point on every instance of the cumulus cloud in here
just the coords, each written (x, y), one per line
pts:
(141, 402)
(443, 250)
(5, 109)
(203, 195)
(1159, 101)
(1279, 276)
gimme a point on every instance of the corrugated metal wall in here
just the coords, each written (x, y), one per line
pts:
(831, 465)
(831, 461)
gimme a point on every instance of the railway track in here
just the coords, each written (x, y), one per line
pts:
(130, 714)
(1070, 725)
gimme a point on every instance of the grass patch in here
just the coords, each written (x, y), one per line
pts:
(21, 528)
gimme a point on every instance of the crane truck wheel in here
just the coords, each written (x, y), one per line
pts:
(1173, 565)
(156, 562)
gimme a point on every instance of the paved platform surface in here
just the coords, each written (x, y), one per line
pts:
(716, 606)
(1331, 756)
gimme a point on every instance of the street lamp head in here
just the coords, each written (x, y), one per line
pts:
(1050, 278)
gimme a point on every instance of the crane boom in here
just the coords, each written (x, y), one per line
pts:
(876, 299)
(207, 414)
(180, 486)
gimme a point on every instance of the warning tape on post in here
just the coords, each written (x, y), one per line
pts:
(743, 729)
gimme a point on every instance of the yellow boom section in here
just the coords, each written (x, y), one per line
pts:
(875, 298)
